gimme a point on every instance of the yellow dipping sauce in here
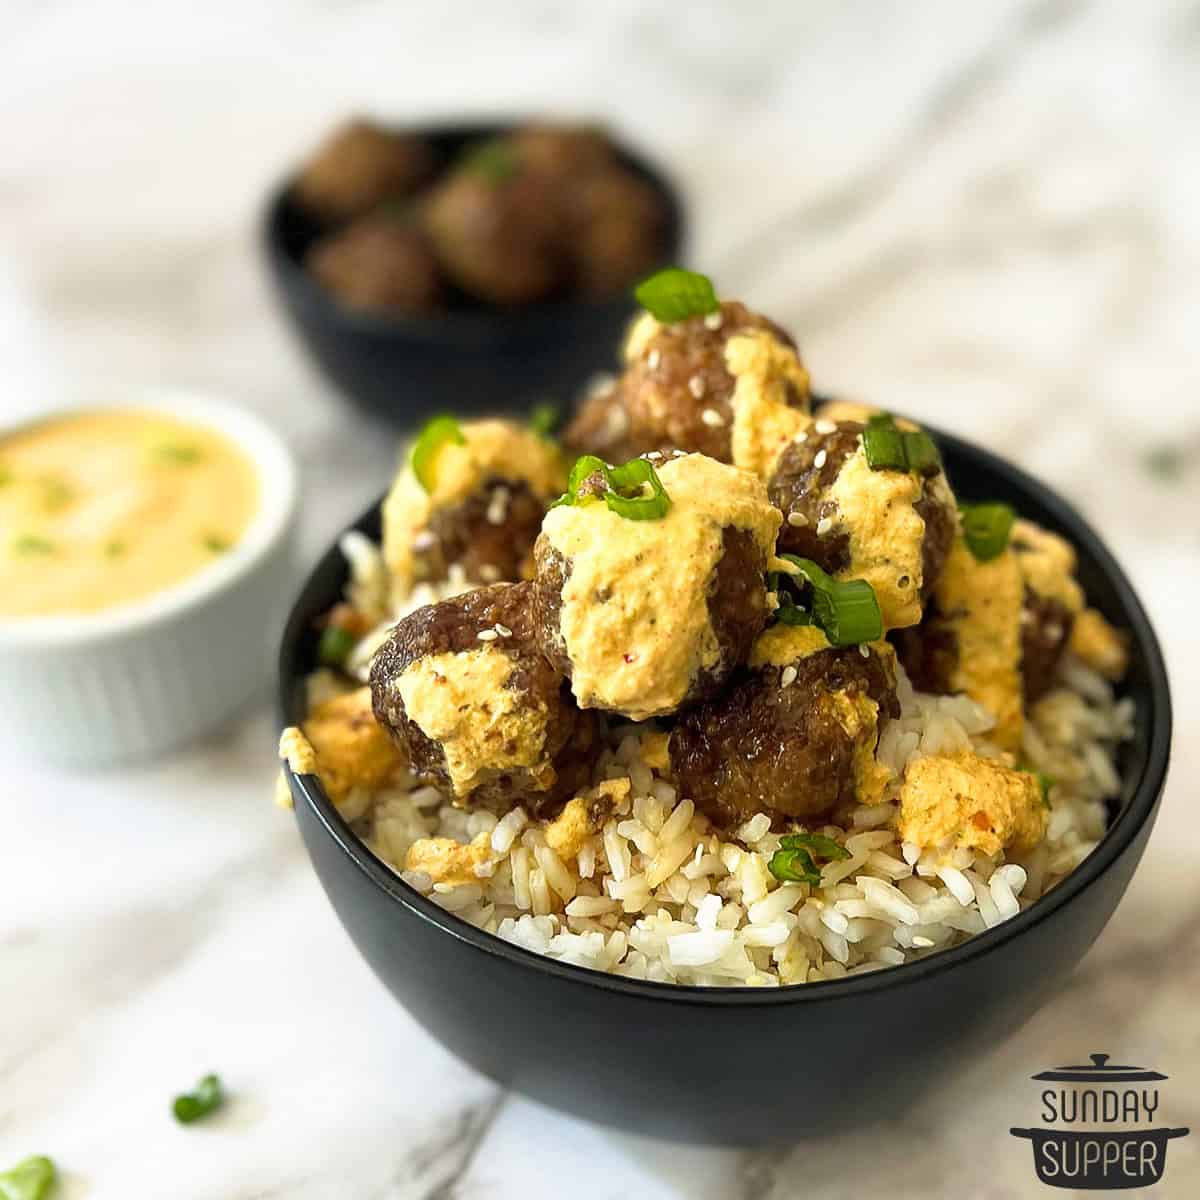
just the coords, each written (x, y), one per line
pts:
(104, 508)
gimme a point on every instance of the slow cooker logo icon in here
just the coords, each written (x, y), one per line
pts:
(1099, 1127)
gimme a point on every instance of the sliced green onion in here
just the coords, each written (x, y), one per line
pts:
(675, 294)
(32, 543)
(495, 160)
(335, 645)
(986, 529)
(624, 488)
(817, 844)
(787, 611)
(544, 419)
(430, 440)
(115, 548)
(177, 454)
(31, 1179)
(889, 448)
(794, 865)
(846, 610)
(215, 543)
(205, 1099)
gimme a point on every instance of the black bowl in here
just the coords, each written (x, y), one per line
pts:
(473, 358)
(741, 1065)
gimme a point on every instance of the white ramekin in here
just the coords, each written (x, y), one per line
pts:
(137, 680)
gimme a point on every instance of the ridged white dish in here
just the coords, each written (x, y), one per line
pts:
(143, 678)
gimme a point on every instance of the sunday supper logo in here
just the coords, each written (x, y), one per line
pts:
(1098, 1130)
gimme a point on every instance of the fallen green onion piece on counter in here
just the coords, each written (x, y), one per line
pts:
(890, 448)
(986, 529)
(31, 1179)
(437, 432)
(675, 294)
(624, 488)
(847, 611)
(335, 646)
(195, 1105)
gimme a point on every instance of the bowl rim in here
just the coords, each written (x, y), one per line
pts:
(466, 326)
(278, 501)
(1116, 840)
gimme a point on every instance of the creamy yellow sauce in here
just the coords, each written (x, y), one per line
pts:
(781, 645)
(461, 701)
(763, 423)
(490, 448)
(875, 510)
(101, 509)
(981, 604)
(1047, 564)
(634, 616)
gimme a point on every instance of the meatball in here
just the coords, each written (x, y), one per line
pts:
(614, 226)
(645, 616)
(891, 528)
(562, 151)
(483, 511)
(467, 696)
(795, 735)
(498, 230)
(378, 262)
(360, 166)
(680, 383)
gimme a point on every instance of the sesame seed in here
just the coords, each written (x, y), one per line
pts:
(679, 454)
(825, 427)
(653, 359)
(713, 320)
(498, 506)
(489, 572)
(824, 525)
(712, 418)
(653, 455)
(487, 635)
(696, 386)
(821, 458)
(801, 437)
(616, 423)
(863, 650)
(425, 540)
(788, 677)
(503, 630)
(797, 520)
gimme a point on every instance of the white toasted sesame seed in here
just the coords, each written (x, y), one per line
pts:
(713, 320)
(504, 631)
(616, 423)
(788, 677)
(801, 437)
(824, 525)
(653, 359)
(864, 650)
(798, 520)
(498, 506)
(679, 454)
(825, 427)
(653, 455)
(425, 540)
(487, 635)
(489, 572)
(696, 386)
(712, 418)
(820, 459)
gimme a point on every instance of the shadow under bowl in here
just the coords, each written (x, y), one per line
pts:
(742, 1065)
(472, 358)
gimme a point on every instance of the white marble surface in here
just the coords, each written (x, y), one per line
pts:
(985, 214)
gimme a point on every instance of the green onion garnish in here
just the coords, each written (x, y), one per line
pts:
(675, 294)
(207, 1098)
(544, 419)
(787, 612)
(495, 160)
(177, 454)
(31, 1179)
(1045, 783)
(986, 528)
(430, 440)
(335, 645)
(794, 866)
(815, 843)
(115, 548)
(889, 448)
(846, 610)
(215, 543)
(624, 488)
(31, 543)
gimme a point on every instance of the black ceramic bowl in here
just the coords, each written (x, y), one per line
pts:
(473, 358)
(742, 1065)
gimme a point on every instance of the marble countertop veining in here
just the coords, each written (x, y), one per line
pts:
(987, 215)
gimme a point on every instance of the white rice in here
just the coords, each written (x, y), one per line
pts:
(659, 894)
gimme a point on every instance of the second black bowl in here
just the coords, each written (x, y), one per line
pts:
(742, 1065)
(471, 358)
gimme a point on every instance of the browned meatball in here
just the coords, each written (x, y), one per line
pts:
(378, 263)
(562, 150)
(1045, 630)
(764, 747)
(358, 167)
(614, 226)
(676, 392)
(486, 718)
(490, 534)
(498, 232)
(803, 488)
